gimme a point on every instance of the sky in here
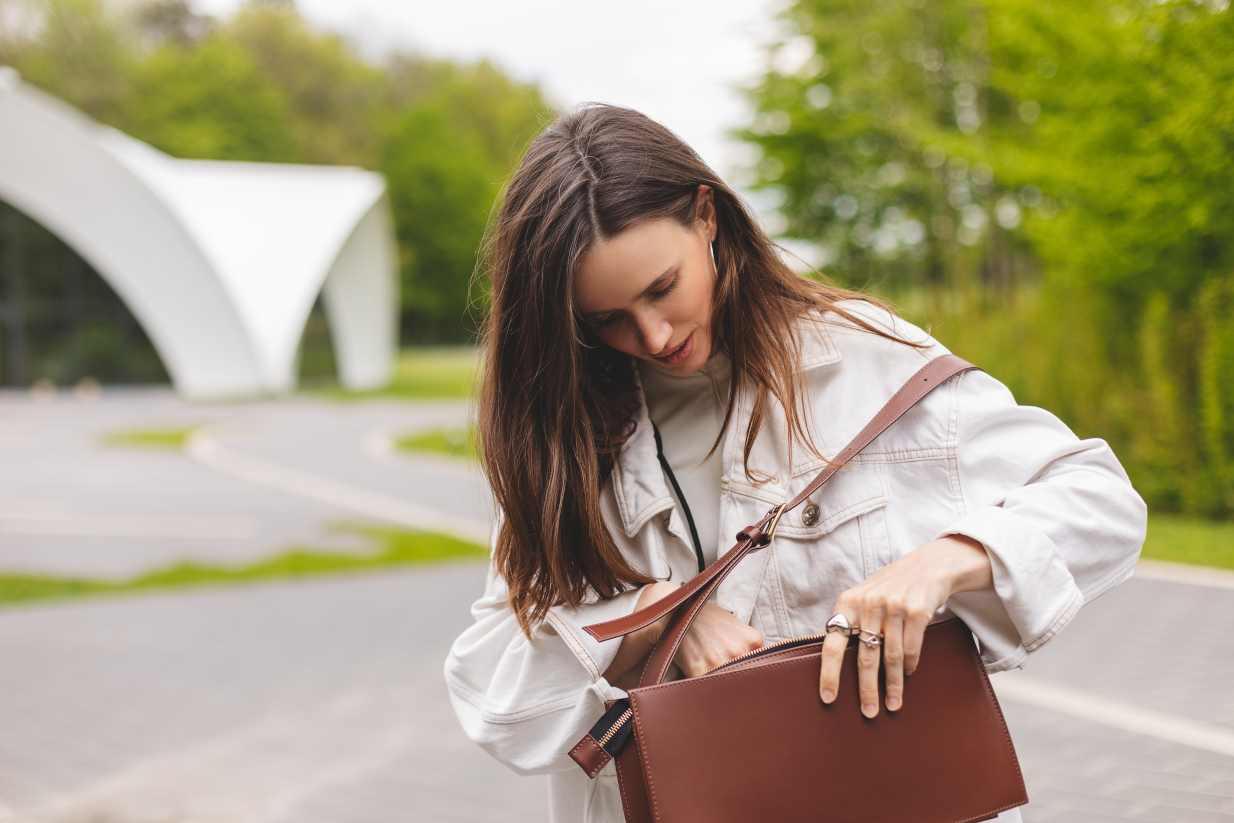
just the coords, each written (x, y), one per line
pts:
(678, 61)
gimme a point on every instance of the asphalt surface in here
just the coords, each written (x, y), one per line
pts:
(70, 505)
(322, 700)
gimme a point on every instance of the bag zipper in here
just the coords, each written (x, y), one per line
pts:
(628, 714)
(621, 721)
(774, 647)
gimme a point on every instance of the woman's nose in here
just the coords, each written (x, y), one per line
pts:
(654, 333)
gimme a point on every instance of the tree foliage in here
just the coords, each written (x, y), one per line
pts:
(1049, 181)
(262, 85)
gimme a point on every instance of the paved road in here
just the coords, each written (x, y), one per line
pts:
(292, 702)
(1161, 646)
(71, 505)
(323, 701)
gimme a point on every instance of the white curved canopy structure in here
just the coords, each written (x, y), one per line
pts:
(219, 262)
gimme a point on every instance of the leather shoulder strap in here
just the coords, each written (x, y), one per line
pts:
(697, 591)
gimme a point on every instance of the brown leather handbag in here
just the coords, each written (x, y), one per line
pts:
(752, 741)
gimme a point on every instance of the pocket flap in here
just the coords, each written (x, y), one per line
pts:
(855, 489)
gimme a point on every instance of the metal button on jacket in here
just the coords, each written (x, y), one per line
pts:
(809, 514)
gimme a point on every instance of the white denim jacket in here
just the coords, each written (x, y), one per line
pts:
(1056, 514)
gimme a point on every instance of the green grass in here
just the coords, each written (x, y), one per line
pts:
(392, 547)
(428, 373)
(173, 438)
(453, 441)
(1186, 540)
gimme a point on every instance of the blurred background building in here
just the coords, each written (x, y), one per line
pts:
(123, 264)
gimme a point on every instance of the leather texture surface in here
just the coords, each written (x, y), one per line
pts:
(588, 754)
(755, 742)
(633, 784)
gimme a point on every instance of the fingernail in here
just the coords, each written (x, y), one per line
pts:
(828, 695)
(869, 710)
(893, 703)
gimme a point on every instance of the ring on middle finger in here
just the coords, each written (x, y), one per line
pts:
(872, 639)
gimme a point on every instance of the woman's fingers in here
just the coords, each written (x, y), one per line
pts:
(893, 660)
(715, 638)
(833, 661)
(914, 634)
(871, 622)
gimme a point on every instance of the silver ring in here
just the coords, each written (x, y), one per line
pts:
(872, 639)
(839, 623)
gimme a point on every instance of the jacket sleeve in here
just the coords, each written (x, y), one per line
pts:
(528, 701)
(1057, 516)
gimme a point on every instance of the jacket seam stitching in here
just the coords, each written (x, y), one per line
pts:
(895, 456)
(506, 718)
(953, 438)
(921, 456)
(778, 607)
(639, 520)
(474, 698)
(1012, 660)
(794, 530)
(747, 490)
(1110, 581)
(575, 646)
(867, 540)
(619, 491)
(1073, 606)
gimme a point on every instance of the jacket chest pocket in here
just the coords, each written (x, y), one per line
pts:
(828, 544)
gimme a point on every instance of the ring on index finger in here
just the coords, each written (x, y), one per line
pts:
(839, 623)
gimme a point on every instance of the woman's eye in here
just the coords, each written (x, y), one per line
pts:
(656, 295)
(603, 321)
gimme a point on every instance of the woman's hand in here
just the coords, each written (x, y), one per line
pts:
(715, 638)
(898, 602)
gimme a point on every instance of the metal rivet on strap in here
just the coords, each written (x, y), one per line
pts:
(809, 515)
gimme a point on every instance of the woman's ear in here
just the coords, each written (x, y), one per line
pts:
(705, 211)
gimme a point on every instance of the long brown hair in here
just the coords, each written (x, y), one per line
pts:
(555, 408)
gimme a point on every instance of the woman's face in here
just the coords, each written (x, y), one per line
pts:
(648, 291)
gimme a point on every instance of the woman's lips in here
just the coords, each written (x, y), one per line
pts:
(680, 354)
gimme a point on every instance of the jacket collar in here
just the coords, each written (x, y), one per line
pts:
(638, 482)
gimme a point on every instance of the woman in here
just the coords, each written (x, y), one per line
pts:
(655, 380)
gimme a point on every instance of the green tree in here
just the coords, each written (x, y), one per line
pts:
(1079, 150)
(335, 99)
(441, 200)
(448, 152)
(869, 122)
(208, 101)
(80, 52)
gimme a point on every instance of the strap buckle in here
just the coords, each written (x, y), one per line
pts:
(771, 530)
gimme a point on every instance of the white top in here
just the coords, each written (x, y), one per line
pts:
(689, 412)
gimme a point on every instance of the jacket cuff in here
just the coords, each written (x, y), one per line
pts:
(595, 656)
(1031, 578)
